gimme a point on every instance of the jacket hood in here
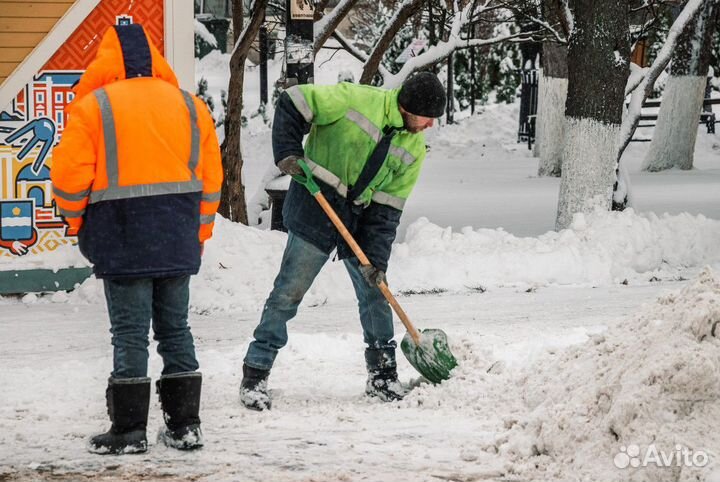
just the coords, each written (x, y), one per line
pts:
(125, 52)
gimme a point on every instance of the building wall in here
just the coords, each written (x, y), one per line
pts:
(22, 25)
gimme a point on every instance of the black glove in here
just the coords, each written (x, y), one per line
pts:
(290, 165)
(372, 275)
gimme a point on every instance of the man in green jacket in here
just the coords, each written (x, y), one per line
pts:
(365, 148)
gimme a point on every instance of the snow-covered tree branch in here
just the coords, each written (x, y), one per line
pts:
(406, 10)
(324, 28)
(461, 17)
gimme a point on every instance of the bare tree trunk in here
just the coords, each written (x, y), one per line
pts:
(673, 142)
(232, 200)
(407, 10)
(550, 121)
(598, 55)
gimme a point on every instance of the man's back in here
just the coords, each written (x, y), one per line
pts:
(137, 172)
(152, 129)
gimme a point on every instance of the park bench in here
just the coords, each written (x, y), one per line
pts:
(707, 117)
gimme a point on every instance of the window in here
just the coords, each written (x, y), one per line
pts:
(70, 96)
(58, 97)
(59, 118)
(40, 97)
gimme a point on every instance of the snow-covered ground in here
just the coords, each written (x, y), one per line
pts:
(580, 351)
(526, 403)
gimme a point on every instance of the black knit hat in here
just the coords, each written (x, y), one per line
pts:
(423, 94)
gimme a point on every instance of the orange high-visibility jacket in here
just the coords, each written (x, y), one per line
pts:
(138, 164)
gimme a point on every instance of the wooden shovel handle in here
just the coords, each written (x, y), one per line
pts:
(365, 262)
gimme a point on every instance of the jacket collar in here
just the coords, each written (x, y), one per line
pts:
(392, 109)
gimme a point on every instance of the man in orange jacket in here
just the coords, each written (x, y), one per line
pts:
(137, 176)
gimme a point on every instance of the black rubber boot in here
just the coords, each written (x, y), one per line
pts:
(383, 380)
(253, 389)
(180, 401)
(128, 400)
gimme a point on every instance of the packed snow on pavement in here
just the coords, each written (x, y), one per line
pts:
(554, 379)
(581, 351)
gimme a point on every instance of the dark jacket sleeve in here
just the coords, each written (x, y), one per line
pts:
(376, 232)
(289, 127)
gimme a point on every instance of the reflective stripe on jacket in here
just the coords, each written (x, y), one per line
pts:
(345, 122)
(138, 170)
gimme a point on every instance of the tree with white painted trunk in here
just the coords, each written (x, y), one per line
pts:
(598, 56)
(552, 93)
(550, 119)
(639, 86)
(673, 142)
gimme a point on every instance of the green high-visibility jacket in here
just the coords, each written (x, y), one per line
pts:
(345, 122)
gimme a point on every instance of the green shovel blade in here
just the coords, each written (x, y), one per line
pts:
(432, 357)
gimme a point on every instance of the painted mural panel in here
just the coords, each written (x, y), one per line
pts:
(33, 123)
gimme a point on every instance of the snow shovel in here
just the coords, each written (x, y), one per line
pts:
(427, 351)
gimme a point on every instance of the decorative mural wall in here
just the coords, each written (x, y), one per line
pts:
(33, 123)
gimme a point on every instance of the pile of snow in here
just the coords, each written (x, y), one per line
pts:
(240, 262)
(598, 249)
(202, 32)
(640, 401)
(491, 125)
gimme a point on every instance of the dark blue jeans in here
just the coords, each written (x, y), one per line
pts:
(132, 304)
(300, 265)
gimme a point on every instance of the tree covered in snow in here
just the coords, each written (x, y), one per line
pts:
(506, 60)
(454, 36)
(495, 65)
(369, 21)
(383, 30)
(481, 36)
(445, 25)
(673, 141)
(472, 78)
